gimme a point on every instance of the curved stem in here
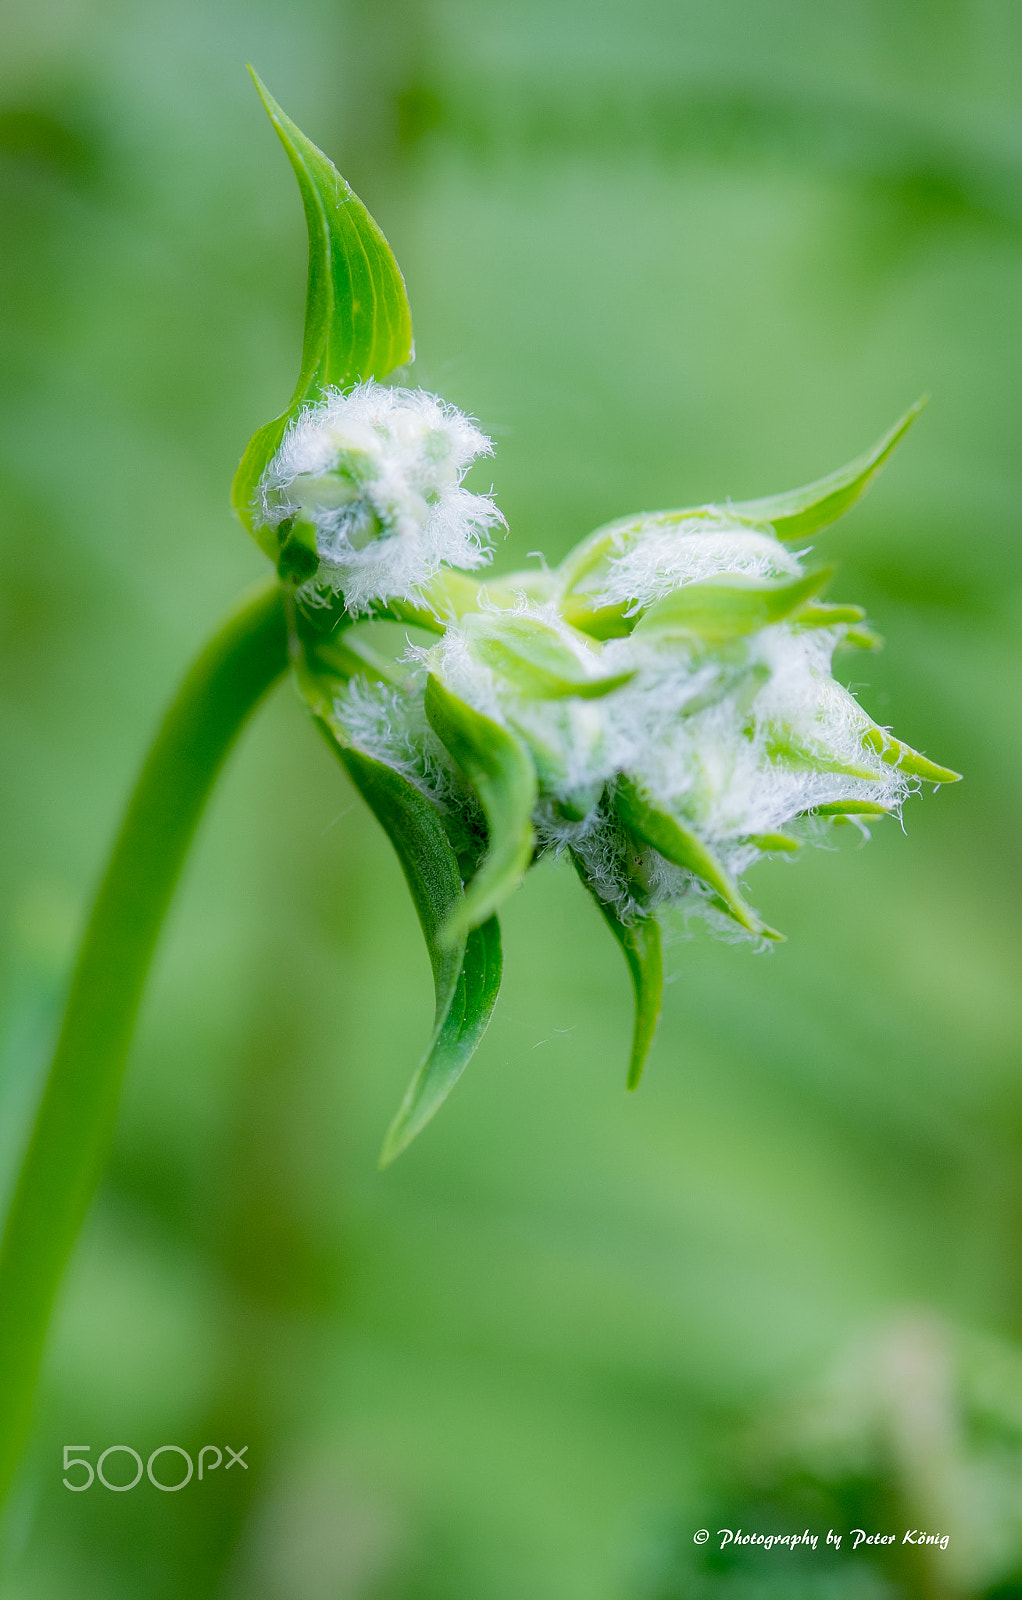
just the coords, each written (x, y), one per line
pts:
(75, 1120)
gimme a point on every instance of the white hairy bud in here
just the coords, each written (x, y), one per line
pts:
(372, 479)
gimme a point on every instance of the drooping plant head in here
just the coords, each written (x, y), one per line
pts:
(659, 709)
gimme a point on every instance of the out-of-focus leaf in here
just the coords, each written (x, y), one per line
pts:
(466, 971)
(863, 639)
(774, 841)
(679, 844)
(501, 772)
(639, 938)
(848, 808)
(801, 512)
(828, 616)
(535, 659)
(726, 608)
(895, 754)
(357, 321)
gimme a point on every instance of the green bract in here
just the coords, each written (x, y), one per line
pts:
(660, 708)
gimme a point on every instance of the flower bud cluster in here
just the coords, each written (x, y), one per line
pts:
(715, 708)
(365, 494)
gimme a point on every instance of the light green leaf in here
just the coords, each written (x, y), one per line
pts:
(863, 639)
(639, 938)
(357, 321)
(774, 841)
(828, 616)
(679, 844)
(895, 754)
(801, 512)
(501, 772)
(466, 972)
(715, 609)
(848, 808)
(793, 515)
(804, 755)
(535, 659)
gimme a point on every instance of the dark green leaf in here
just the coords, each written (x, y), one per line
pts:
(466, 972)
(454, 1041)
(501, 772)
(639, 938)
(679, 844)
(357, 321)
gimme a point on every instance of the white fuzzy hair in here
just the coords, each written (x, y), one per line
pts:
(378, 472)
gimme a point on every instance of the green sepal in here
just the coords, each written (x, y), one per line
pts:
(784, 744)
(792, 515)
(679, 844)
(716, 609)
(357, 321)
(639, 939)
(862, 639)
(532, 657)
(466, 971)
(895, 754)
(828, 616)
(801, 512)
(501, 772)
(298, 557)
(773, 841)
(454, 1041)
(847, 808)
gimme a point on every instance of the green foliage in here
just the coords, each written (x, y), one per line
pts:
(501, 772)
(466, 969)
(717, 609)
(357, 321)
(533, 658)
(680, 844)
(639, 938)
(801, 512)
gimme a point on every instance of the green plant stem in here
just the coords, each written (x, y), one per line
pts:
(75, 1120)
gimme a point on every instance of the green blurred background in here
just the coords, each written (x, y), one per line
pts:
(665, 252)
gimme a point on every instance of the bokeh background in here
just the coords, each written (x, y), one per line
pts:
(666, 251)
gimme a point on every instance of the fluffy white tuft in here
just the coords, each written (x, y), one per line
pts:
(651, 560)
(378, 472)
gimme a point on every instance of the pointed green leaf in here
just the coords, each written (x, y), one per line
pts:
(466, 973)
(357, 322)
(640, 941)
(895, 754)
(454, 1041)
(679, 844)
(726, 608)
(501, 772)
(535, 659)
(803, 511)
